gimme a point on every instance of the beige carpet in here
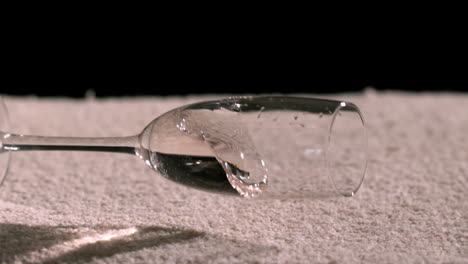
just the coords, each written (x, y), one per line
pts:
(81, 207)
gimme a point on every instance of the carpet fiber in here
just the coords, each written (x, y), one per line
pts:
(81, 207)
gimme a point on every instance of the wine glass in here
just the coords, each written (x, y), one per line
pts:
(295, 146)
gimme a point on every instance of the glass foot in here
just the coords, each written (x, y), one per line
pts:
(4, 128)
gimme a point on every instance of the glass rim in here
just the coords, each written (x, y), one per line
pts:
(329, 169)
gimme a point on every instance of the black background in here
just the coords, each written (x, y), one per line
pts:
(241, 86)
(228, 73)
(108, 72)
(181, 59)
(128, 82)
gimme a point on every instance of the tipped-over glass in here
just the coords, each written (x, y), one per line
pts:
(281, 146)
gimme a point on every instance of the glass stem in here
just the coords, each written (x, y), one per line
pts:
(13, 142)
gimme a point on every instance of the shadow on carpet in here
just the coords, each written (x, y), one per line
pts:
(81, 244)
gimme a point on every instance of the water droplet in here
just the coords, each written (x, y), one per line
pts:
(235, 107)
(181, 126)
(320, 115)
(260, 112)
